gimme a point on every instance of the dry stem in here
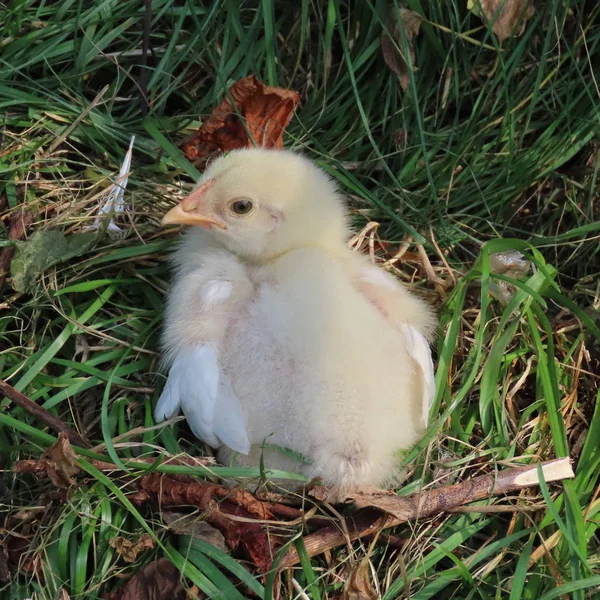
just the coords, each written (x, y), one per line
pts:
(41, 413)
(424, 504)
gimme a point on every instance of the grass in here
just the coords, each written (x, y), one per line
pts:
(493, 147)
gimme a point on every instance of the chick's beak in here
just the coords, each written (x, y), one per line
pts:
(179, 216)
(187, 213)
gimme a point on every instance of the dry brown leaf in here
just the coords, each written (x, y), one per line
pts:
(265, 111)
(506, 15)
(392, 51)
(20, 553)
(130, 549)
(400, 138)
(219, 506)
(28, 514)
(191, 525)
(4, 570)
(358, 586)
(159, 580)
(513, 264)
(248, 501)
(60, 462)
(319, 492)
(19, 224)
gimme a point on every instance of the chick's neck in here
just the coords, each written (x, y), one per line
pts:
(337, 248)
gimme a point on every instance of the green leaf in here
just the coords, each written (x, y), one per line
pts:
(44, 250)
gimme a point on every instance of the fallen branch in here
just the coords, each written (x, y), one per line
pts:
(42, 414)
(399, 509)
(242, 516)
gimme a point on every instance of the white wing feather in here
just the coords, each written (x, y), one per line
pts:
(419, 350)
(197, 386)
(199, 375)
(168, 403)
(230, 424)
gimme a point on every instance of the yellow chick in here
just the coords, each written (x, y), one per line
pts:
(277, 332)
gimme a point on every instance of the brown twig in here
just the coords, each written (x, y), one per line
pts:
(424, 504)
(41, 413)
(241, 515)
(218, 504)
(195, 490)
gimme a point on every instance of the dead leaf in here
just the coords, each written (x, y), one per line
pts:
(506, 15)
(248, 501)
(60, 462)
(159, 580)
(4, 570)
(358, 586)
(257, 545)
(511, 263)
(20, 222)
(319, 492)
(392, 51)
(265, 111)
(130, 549)
(43, 250)
(20, 553)
(400, 137)
(191, 525)
(219, 506)
(28, 514)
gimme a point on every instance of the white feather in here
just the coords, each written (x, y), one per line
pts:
(230, 424)
(204, 393)
(418, 348)
(168, 404)
(115, 201)
(199, 375)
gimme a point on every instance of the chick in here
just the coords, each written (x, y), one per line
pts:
(277, 332)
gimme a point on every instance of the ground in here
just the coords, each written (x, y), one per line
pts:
(491, 147)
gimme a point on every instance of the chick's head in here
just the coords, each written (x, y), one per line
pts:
(261, 203)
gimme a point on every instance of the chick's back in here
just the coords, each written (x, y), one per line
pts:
(320, 370)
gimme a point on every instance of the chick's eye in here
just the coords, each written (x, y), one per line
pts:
(242, 206)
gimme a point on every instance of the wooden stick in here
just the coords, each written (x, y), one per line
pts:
(399, 509)
(379, 510)
(41, 413)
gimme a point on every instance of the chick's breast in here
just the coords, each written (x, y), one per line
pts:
(319, 369)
